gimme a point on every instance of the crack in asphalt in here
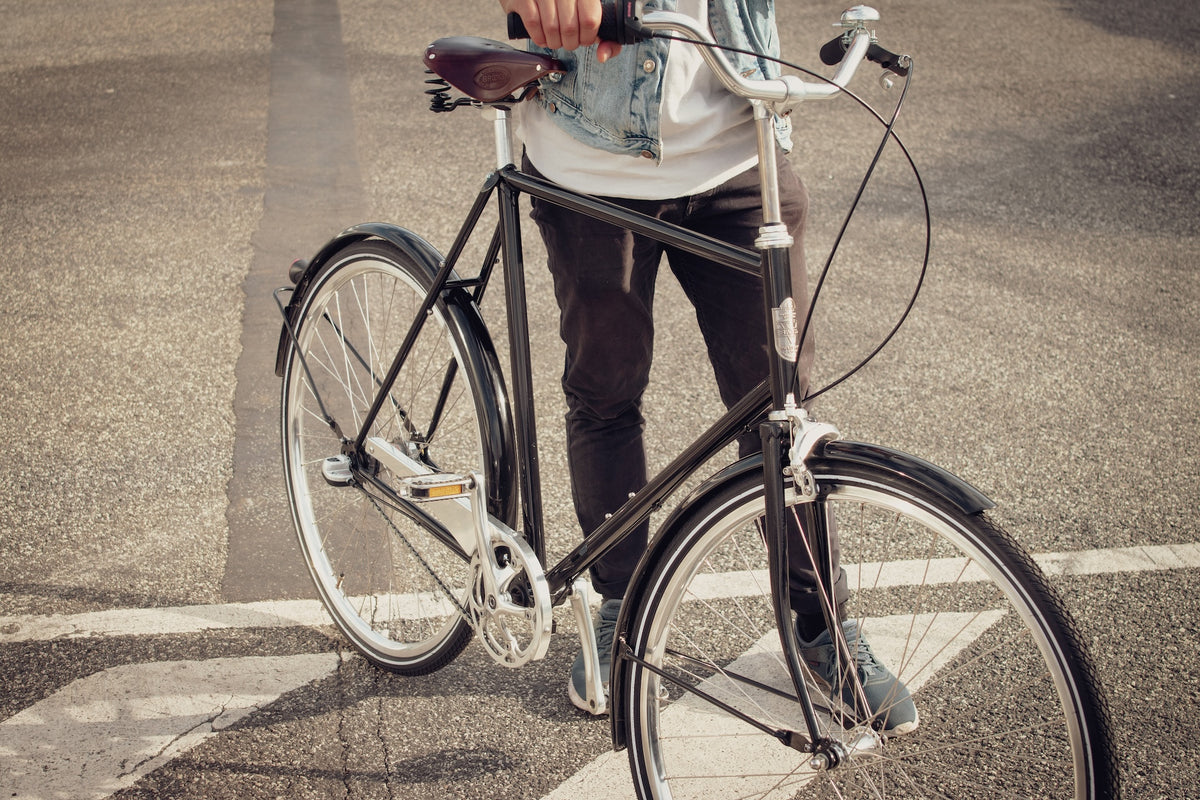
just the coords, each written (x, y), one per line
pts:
(209, 722)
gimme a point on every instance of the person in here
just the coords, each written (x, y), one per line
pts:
(649, 127)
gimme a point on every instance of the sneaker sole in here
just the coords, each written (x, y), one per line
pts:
(905, 728)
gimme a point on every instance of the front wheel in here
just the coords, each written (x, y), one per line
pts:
(395, 589)
(1007, 698)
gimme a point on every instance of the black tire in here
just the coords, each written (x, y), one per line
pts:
(1008, 701)
(394, 589)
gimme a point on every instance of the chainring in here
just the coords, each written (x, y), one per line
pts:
(514, 623)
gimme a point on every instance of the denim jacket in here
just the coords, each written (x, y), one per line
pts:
(615, 106)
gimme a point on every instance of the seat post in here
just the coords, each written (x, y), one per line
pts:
(502, 129)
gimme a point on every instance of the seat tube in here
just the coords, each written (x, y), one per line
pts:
(774, 243)
(521, 378)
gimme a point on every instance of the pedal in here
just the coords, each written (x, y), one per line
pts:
(437, 486)
(336, 471)
(447, 496)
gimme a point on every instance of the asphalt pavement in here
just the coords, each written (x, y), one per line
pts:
(162, 163)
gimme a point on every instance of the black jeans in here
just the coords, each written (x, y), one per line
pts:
(604, 280)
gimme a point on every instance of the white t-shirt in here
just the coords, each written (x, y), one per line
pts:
(707, 137)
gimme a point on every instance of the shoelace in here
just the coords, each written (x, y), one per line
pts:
(864, 657)
(867, 663)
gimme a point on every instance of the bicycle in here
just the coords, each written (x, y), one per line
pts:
(413, 477)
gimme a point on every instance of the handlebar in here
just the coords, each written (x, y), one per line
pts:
(626, 22)
(834, 50)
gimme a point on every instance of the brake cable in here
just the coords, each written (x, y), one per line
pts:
(888, 134)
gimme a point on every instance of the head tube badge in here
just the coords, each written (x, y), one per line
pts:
(787, 338)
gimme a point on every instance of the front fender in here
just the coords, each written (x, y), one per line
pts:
(826, 460)
(945, 484)
(416, 248)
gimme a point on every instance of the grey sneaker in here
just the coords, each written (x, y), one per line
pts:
(886, 695)
(606, 627)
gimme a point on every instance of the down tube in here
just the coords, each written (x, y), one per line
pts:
(750, 409)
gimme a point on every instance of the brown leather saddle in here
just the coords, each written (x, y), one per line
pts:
(487, 70)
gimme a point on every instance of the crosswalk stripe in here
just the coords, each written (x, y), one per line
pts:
(765, 765)
(102, 733)
(172, 620)
(293, 613)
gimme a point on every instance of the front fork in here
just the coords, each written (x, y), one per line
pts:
(773, 433)
(793, 432)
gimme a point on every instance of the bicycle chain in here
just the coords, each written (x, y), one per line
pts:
(462, 610)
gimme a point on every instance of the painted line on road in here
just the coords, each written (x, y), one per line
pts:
(297, 613)
(767, 771)
(157, 621)
(102, 733)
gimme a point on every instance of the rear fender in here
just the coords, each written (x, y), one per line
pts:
(497, 426)
(416, 248)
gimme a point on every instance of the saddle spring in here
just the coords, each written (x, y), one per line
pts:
(439, 98)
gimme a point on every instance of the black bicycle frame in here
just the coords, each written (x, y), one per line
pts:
(760, 409)
(736, 421)
(508, 184)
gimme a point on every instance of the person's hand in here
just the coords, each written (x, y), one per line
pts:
(566, 24)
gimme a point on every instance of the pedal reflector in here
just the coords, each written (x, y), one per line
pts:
(436, 487)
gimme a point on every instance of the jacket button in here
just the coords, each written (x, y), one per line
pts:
(551, 108)
(647, 154)
(648, 65)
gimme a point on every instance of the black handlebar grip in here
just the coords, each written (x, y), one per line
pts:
(833, 51)
(888, 60)
(620, 22)
(612, 22)
(516, 26)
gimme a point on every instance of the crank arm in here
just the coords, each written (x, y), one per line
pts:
(597, 697)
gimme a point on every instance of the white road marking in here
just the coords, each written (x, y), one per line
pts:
(956, 570)
(769, 771)
(100, 734)
(608, 776)
(103, 732)
(293, 613)
(152, 621)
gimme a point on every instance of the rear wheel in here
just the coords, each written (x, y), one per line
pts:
(1007, 698)
(396, 590)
